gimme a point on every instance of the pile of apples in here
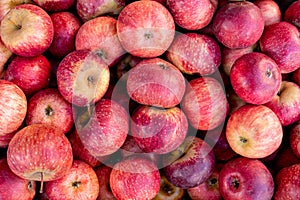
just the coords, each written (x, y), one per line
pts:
(142, 100)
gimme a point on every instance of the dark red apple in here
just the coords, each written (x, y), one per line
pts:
(247, 179)
(31, 74)
(270, 10)
(27, 30)
(264, 86)
(55, 5)
(168, 191)
(292, 13)
(13, 187)
(205, 103)
(13, 109)
(82, 78)
(254, 131)
(195, 53)
(295, 139)
(103, 174)
(280, 41)
(135, 178)
(156, 82)
(145, 28)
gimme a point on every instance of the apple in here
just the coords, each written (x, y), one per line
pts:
(195, 53)
(285, 158)
(294, 139)
(89, 9)
(238, 24)
(100, 36)
(168, 191)
(287, 184)
(156, 82)
(31, 74)
(292, 14)
(66, 25)
(55, 5)
(7, 5)
(192, 14)
(135, 178)
(104, 130)
(254, 131)
(296, 76)
(82, 78)
(145, 28)
(235, 102)
(205, 103)
(280, 41)
(264, 86)
(5, 139)
(14, 109)
(246, 178)
(80, 182)
(39, 152)
(270, 11)
(190, 164)
(49, 107)
(286, 103)
(5, 54)
(103, 174)
(22, 189)
(27, 30)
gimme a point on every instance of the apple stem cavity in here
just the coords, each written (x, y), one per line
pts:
(243, 140)
(212, 182)
(49, 111)
(235, 183)
(76, 184)
(148, 36)
(42, 182)
(18, 26)
(269, 73)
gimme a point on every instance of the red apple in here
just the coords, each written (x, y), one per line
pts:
(264, 86)
(55, 5)
(145, 28)
(286, 104)
(192, 14)
(156, 82)
(280, 41)
(13, 187)
(5, 54)
(168, 191)
(247, 179)
(296, 76)
(27, 30)
(294, 139)
(7, 5)
(195, 53)
(14, 107)
(292, 13)
(49, 107)
(270, 10)
(82, 78)
(5, 139)
(89, 9)
(31, 74)
(205, 103)
(103, 174)
(158, 131)
(135, 178)
(66, 25)
(238, 24)
(100, 36)
(190, 164)
(40, 152)
(254, 131)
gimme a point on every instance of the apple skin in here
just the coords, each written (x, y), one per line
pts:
(5, 139)
(156, 82)
(205, 103)
(287, 183)
(168, 191)
(7, 5)
(82, 78)
(238, 24)
(49, 107)
(14, 109)
(55, 5)
(5, 54)
(292, 14)
(66, 26)
(195, 53)
(89, 9)
(264, 131)
(103, 131)
(30, 37)
(296, 76)
(264, 86)
(280, 41)
(145, 28)
(235, 102)
(158, 131)
(22, 189)
(270, 10)
(286, 104)
(100, 36)
(31, 74)
(190, 164)
(294, 139)
(246, 178)
(135, 178)
(39, 152)
(103, 174)
(192, 14)
(285, 158)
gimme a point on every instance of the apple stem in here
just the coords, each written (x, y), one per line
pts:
(42, 182)
(15, 24)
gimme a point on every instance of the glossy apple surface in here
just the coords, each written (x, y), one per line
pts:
(292, 14)
(55, 5)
